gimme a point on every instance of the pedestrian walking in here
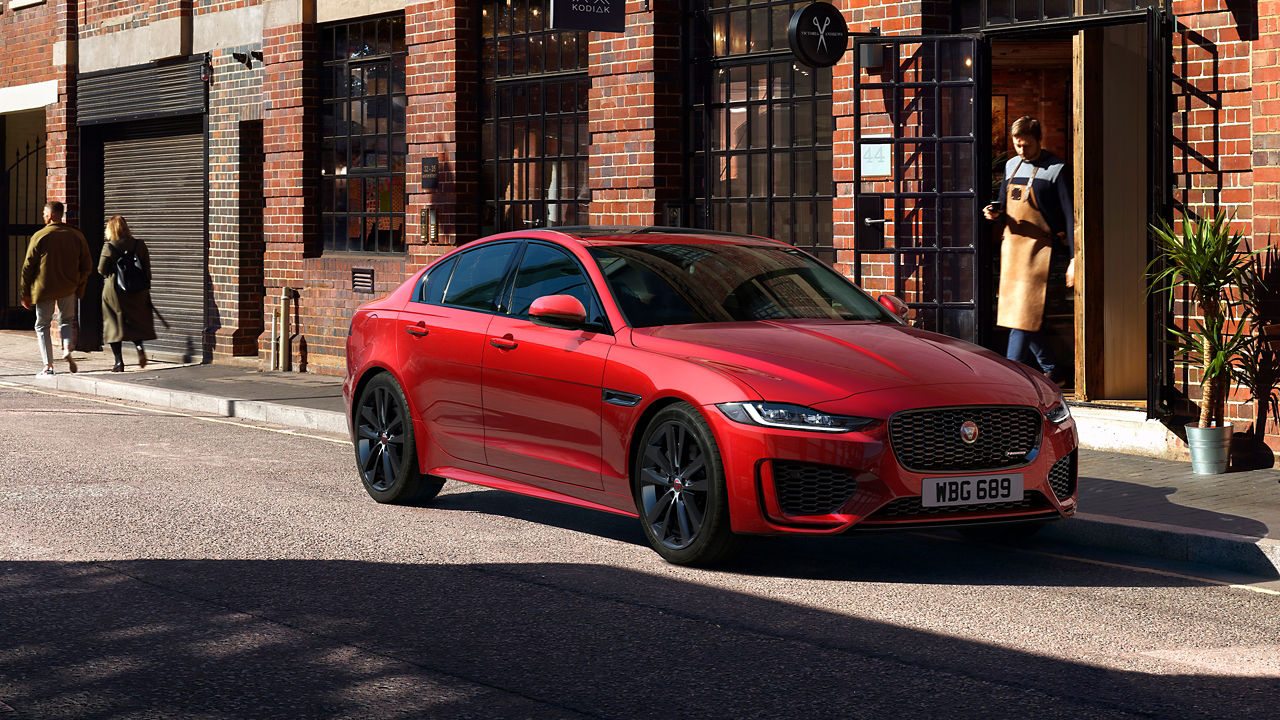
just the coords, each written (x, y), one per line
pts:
(126, 293)
(1035, 199)
(54, 275)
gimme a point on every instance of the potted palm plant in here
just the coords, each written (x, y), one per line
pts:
(1259, 370)
(1206, 260)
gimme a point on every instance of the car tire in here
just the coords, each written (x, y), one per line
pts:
(386, 454)
(1004, 534)
(678, 482)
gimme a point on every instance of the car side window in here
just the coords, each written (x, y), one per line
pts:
(546, 270)
(477, 279)
(431, 289)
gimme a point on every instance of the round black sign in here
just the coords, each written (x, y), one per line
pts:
(818, 35)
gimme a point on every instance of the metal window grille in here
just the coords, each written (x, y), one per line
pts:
(363, 147)
(760, 127)
(534, 137)
(989, 14)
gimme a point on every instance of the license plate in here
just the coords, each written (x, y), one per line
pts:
(973, 490)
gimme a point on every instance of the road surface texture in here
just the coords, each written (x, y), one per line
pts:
(160, 564)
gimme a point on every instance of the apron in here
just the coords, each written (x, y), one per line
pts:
(1024, 258)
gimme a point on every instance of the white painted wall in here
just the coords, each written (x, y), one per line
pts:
(334, 10)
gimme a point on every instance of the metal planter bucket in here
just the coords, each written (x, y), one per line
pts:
(1210, 448)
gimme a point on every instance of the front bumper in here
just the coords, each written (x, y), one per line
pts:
(788, 482)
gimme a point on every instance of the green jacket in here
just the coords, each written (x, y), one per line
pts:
(57, 264)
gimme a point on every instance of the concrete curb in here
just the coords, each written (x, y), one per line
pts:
(289, 415)
(1239, 553)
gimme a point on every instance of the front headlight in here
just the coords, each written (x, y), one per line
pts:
(791, 417)
(1058, 414)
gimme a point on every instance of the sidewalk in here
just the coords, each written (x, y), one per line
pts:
(1128, 503)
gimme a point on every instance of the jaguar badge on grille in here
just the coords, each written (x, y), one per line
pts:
(969, 432)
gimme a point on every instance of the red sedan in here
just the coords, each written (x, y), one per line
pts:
(712, 385)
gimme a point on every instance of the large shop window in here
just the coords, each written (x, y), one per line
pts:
(534, 141)
(760, 127)
(362, 193)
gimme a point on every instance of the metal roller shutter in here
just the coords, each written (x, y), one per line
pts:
(156, 90)
(154, 175)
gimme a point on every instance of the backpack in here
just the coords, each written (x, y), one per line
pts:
(131, 274)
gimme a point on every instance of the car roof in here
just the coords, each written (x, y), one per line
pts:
(641, 235)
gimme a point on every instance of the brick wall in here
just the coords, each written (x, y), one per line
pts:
(290, 170)
(1040, 94)
(443, 83)
(99, 18)
(236, 243)
(1226, 132)
(634, 118)
(27, 51)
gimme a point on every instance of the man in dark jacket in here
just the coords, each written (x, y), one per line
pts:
(53, 278)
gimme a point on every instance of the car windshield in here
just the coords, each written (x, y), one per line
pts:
(684, 284)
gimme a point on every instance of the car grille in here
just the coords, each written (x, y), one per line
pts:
(910, 507)
(1062, 476)
(809, 489)
(929, 440)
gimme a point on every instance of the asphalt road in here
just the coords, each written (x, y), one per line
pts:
(160, 565)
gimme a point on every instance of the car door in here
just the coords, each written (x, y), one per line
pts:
(442, 336)
(542, 385)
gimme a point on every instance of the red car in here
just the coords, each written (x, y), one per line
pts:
(713, 385)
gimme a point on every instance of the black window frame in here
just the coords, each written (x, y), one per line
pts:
(535, 86)
(981, 15)
(787, 189)
(346, 63)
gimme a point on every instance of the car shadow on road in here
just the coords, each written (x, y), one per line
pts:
(935, 557)
(459, 497)
(320, 639)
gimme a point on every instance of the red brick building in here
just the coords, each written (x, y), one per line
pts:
(312, 153)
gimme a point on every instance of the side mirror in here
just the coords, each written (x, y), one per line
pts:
(894, 304)
(558, 311)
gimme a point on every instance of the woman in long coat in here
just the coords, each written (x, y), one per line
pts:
(125, 316)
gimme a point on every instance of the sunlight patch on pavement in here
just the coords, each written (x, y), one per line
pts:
(1260, 661)
(159, 411)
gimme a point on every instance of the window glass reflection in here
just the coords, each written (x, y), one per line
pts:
(363, 146)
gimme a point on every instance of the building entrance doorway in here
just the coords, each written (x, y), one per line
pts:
(22, 198)
(1099, 87)
(1089, 89)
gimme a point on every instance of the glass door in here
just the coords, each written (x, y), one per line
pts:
(922, 141)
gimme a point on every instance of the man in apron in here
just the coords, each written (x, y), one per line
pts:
(1035, 198)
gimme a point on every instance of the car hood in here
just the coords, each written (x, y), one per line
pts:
(813, 361)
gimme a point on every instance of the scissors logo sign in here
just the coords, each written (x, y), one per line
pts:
(818, 34)
(822, 33)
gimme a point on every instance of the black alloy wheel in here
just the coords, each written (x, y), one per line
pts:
(678, 481)
(386, 454)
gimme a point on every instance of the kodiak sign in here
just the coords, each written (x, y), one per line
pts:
(601, 15)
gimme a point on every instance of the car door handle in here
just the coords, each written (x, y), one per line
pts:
(504, 343)
(417, 330)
